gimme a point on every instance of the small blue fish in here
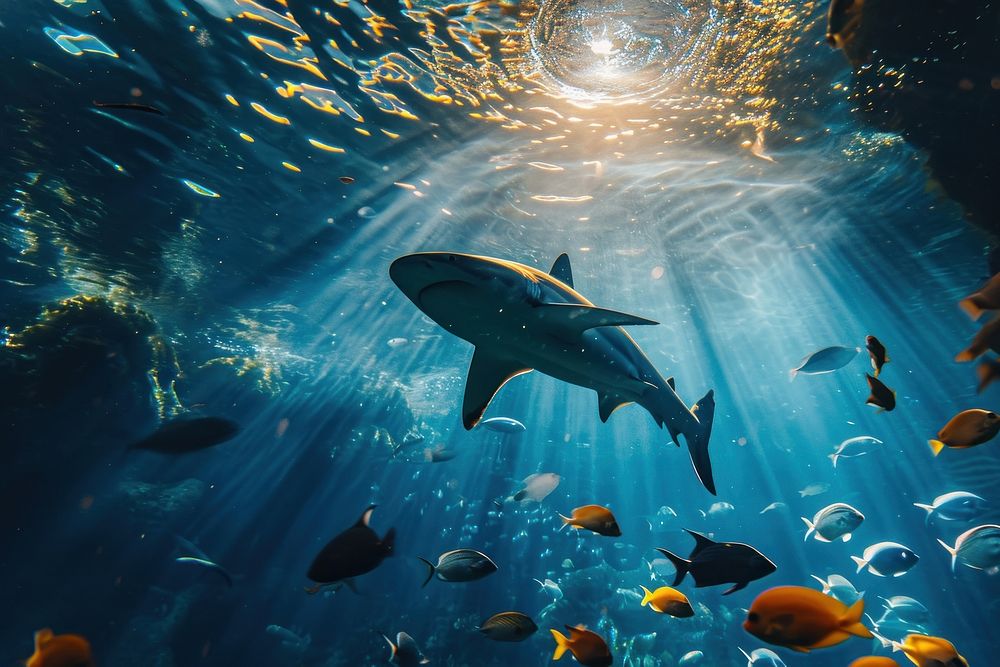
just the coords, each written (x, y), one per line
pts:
(826, 360)
(503, 425)
(886, 559)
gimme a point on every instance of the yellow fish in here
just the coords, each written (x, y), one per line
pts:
(803, 619)
(927, 651)
(595, 518)
(666, 600)
(874, 661)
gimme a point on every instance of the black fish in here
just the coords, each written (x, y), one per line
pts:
(181, 436)
(129, 106)
(405, 651)
(713, 563)
(876, 350)
(881, 396)
(354, 552)
(988, 371)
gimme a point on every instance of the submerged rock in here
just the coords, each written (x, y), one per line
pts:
(926, 70)
(158, 503)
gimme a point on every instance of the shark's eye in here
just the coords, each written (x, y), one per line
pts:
(451, 258)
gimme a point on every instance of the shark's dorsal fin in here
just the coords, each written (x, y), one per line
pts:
(572, 319)
(487, 374)
(561, 270)
(607, 404)
(670, 381)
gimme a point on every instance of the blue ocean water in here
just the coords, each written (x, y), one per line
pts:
(223, 250)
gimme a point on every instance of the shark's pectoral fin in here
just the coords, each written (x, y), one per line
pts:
(487, 373)
(561, 270)
(607, 404)
(570, 320)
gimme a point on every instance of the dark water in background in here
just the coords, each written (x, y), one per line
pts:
(710, 172)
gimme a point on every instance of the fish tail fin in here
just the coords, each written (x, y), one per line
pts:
(792, 373)
(861, 562)
(431, 570)
(886, 643)
(392, 647)
(951, 550)
(810, 526)
(965, 355)
(682, 566)
(697, 439)
(928, 508)
(562, 644)
(971, 306)
(566, 521)
(852, 620)
(540, 583)
(936, 446)
(647, 596)
(834, 457)
(826, 586)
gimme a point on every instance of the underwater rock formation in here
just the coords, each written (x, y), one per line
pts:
(159, 503)
(927, 70)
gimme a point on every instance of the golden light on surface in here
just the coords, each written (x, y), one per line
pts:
(602, 47)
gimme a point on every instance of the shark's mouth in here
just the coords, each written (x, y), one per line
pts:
(447, 296)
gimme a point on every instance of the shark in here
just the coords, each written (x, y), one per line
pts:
(520, 319)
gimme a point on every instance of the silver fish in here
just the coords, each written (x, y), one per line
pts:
(826, 360)
(978, 548)
(460, 565)
(954, 506)
(833, 522)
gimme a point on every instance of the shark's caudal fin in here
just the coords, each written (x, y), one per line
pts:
(704, 412)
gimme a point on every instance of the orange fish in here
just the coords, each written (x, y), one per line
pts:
(587, 647)
(967, 429)
(60, 651)
(874, 661)
(595, 518)
(803, 619)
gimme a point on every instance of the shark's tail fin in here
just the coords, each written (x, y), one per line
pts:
(704, 412)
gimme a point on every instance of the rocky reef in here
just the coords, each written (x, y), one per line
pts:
(930, 71)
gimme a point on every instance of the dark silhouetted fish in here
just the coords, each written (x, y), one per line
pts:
(128, 106)
(881, 396)
(460, 565)
(712, 563)
(182, 436)
(877, 352)
(508, 626)
(988, 372)
(405, 651)
(356, 551)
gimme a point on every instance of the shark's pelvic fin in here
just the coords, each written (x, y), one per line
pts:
(561, 270)
(572, 319)
(607, 404)
(486, 375)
